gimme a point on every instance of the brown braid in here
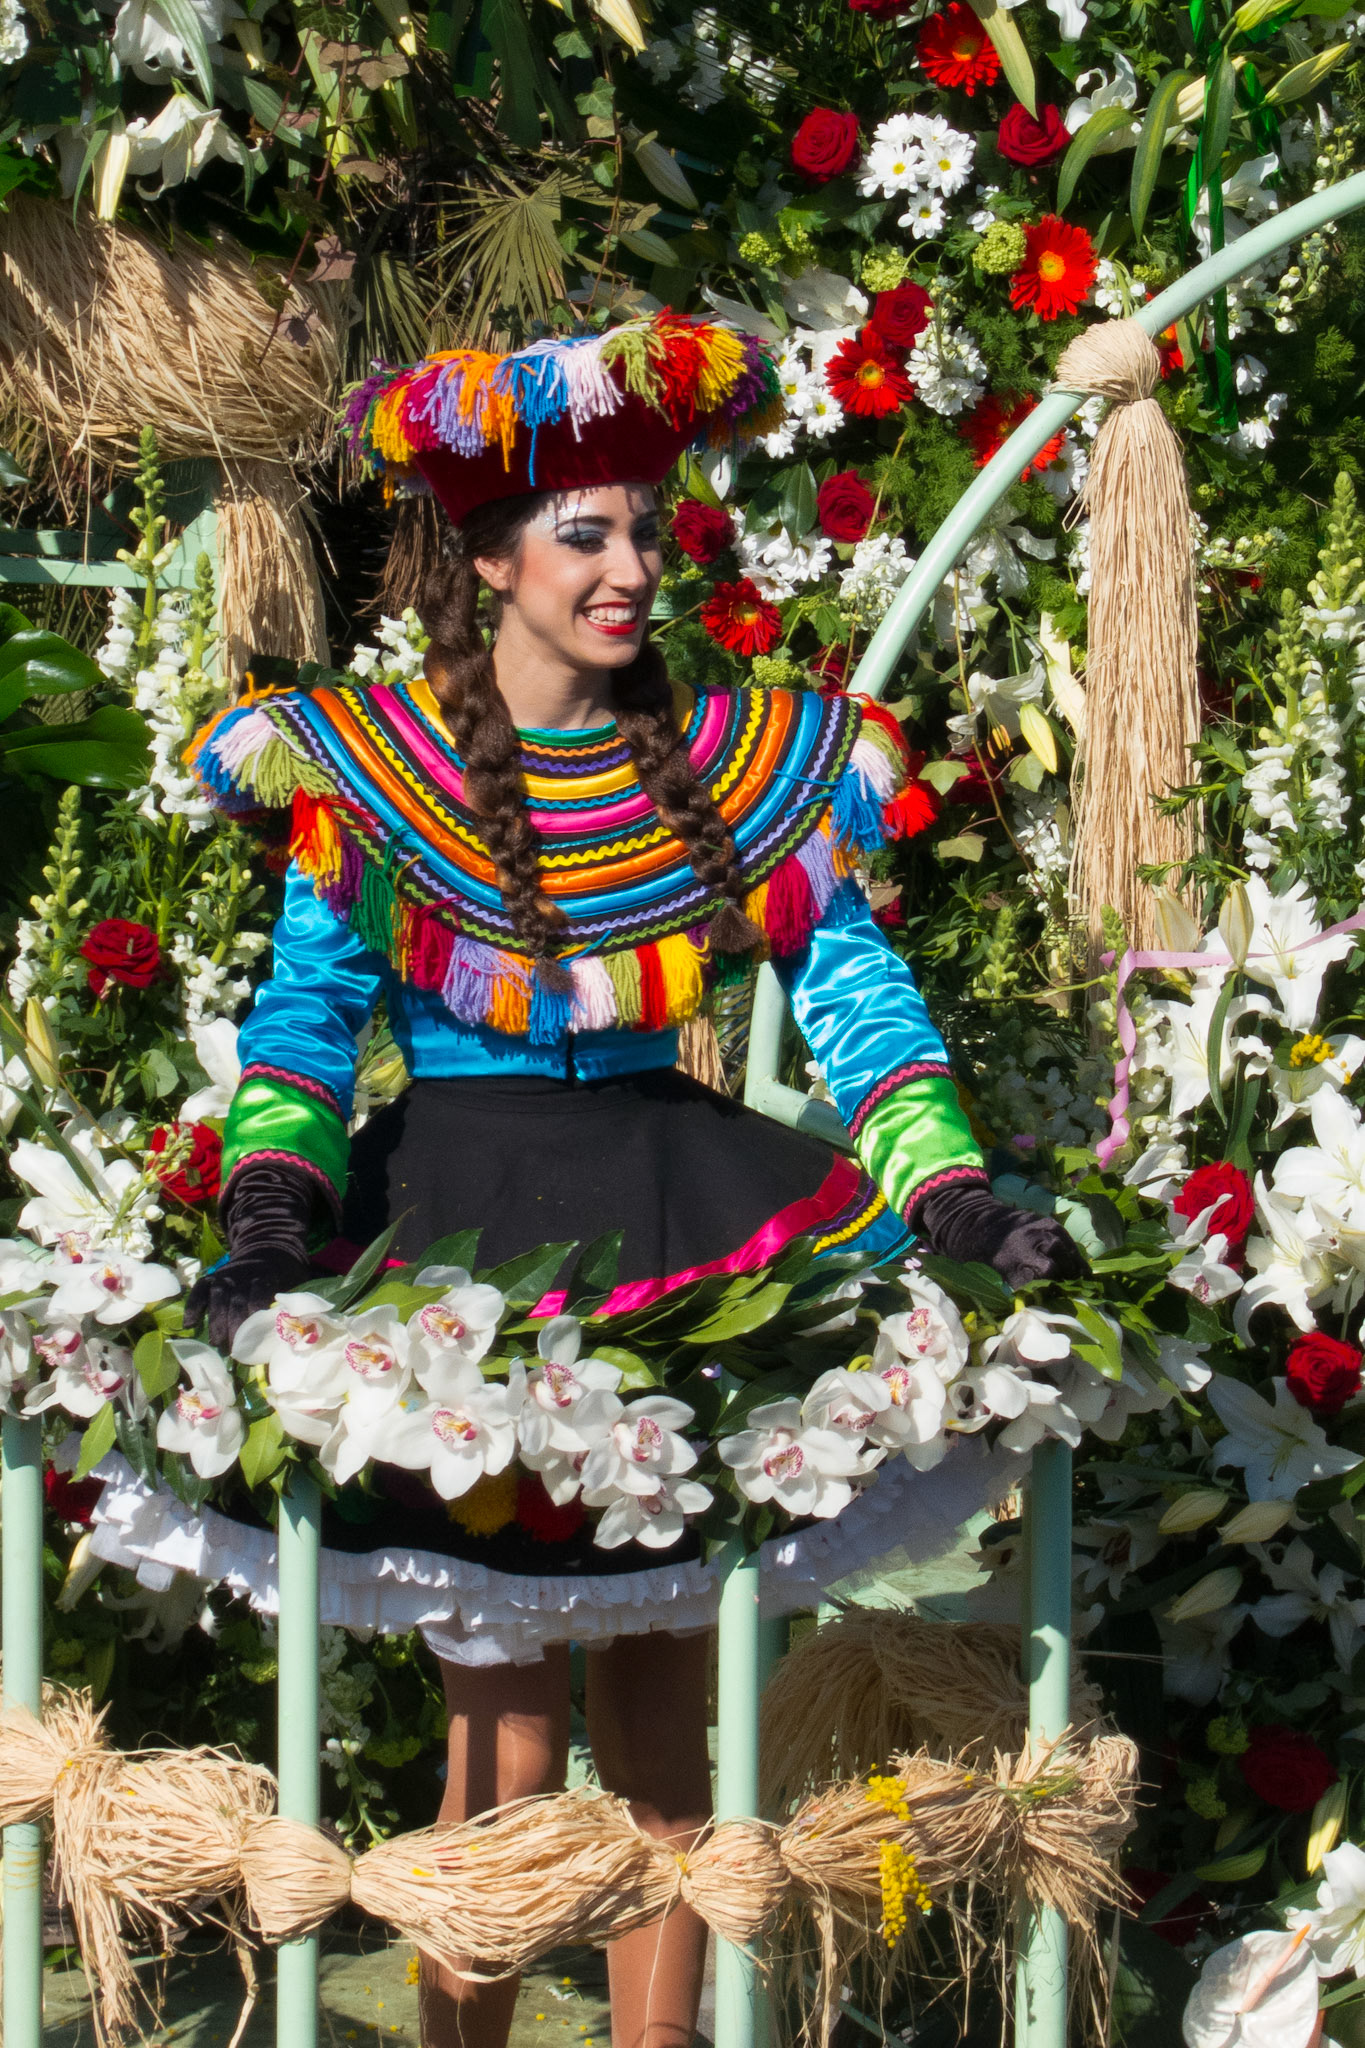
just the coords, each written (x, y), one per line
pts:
(460, 670)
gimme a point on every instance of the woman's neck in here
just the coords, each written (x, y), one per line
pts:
(545, 693)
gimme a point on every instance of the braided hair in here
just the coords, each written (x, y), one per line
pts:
(459, 667)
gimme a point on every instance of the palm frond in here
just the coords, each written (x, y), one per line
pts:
(506, 257)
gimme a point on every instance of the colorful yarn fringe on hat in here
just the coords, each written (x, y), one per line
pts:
(367, 796)
(563, 414)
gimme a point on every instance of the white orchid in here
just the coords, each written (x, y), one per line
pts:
(114, 1209)
(295, 1326)
(642, 1448)
(569, 1405)
(85, 1373)
(461, 1323)
(1332, 1171)
(215, 1047)
(1306, 1591)
(931, 1332)
(805, 1471)
(107, 1285)
(1336, 1919)
(911, 1418)
(1279, 1448)
(203, 1422)
(654, 1519)
(472, 1430)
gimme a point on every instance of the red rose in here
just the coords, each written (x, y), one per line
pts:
(702, 531)
(845, 506)
(197, 1174)
(1026, 141)
(901, 316)
(976, 786)
(538, 1515)
(1323, 1373)
(825, 144)
(71, 1500)
(1286, 1769)
(121, 951)
(1227, 1191)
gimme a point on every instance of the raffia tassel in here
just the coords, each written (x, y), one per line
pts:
(1142, 690)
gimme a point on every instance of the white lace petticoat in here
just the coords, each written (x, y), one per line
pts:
(472, 1615)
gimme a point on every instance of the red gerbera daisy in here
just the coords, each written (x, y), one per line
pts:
(1057, 271)
(742, 620)
(1169, 349)
(867, 378)
(991, 425)
(955, 49)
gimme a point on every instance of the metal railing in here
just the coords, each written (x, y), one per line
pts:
(1041, 1986)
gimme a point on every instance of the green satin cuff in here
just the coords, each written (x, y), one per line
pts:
(918, 1131)
(272, 1120)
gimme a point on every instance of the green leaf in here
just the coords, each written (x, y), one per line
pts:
(182, 20)
(97, 1442)
(596, 1271)
(1010, 47)
(461, 1249)
(348, 1287)
(158, 1368)
(108, 750)
(798, 503)
(14, 691)
(965, 846)
(635, 1371)
(649, 247)
(50, 664)
(941, 775)
(1219, 107)
(1104, 121)
(446, 25)
(1104, 1354)
(524, 1280)
(1301, 78)
(504, 23)
(159, 1075)
(1151, 144)
(750, 1314)
(981, 1284)
(263, 1451)
(11, 476)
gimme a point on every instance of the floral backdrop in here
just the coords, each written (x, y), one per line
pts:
(919, 207)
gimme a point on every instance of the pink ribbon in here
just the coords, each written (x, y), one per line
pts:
(1131, 964)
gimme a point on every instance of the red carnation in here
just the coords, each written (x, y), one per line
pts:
(742, 620)
(71, 1500)
(866, 377)
(845, 506)
(990, 425)
(1323, 1373)
(1226, 1190)
(702, 531)
(955, 49)
(901, 316)
(119, 950)
(538, 1515)
(197, 1175)
(1285, 1768)
(1024, 140)
(825, 144)
(1058, 268)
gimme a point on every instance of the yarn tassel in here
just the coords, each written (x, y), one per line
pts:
(624, 972)
(856, 811)
(653, 1006)
(594, 997)
(550, 1011)
(756, 907)
(510, 1009)
(815, 857)
(791, 908)
(467, 991)
(374, 917)
(314, 841)
(342, 895)
(431, 944)
(680, 967)
(876, 761)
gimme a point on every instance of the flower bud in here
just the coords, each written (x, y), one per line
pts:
(1176, 930)
(1236, 923)
(1257, 1522)
(1207, 1595)
(1190, 1511)
(111, 168)
(40, 1046)
(1328, 1817)
(1232, 1869)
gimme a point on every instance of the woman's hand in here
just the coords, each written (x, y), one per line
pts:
(968, 1223)
(267, 1213)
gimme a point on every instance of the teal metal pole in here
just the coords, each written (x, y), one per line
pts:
(300, 1544)
(21, 1643)
(1040, 1982)
(740, 2017)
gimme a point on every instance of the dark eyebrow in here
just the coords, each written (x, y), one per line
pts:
(597, 519)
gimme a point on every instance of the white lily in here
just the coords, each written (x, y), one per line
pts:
(1160, 1172)
(1175, 1041)
(215, 1047)
(461, 1323)
(654, 1519)
(1279, 953)
(1336, 1919)
(64, 1211)
(1309, 1592)
(1093, 91)
(203, 1422)
(178, 142)
(1246, 199)
(1290, 1263)
(1279, 1449)
(1072, 18)
(109, 1286)
(1198, 1652)
(1341, 1059)
(805, 1471)
(1332, 1171)
(146, 42)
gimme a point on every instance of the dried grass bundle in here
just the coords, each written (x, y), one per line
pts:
(294, 1877)
(36, 1753)
(1142, 690)
(102, 332)
(878, 1682)
(735, 1879)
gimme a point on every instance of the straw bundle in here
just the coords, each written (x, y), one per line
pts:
(878, 1681)
(102, 333)
(1142, 690)
(144, 1843)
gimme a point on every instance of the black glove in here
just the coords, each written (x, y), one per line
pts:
(967, 1222)
(268, 1214)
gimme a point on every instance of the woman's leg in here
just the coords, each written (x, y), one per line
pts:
(647, 1724)
(509, 1737)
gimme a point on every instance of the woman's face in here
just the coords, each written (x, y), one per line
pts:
(584, 578)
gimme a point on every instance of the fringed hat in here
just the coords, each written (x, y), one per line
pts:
(567, 414)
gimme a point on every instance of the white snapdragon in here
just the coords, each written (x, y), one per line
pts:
(879, 566)
(776, 563)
